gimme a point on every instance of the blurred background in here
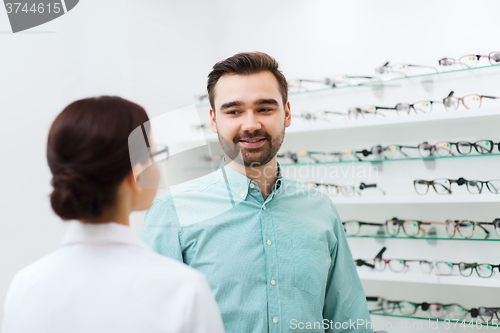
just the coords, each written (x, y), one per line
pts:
(158, 54)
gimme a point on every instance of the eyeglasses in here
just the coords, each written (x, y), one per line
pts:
(290, 155)
(436, 310)
(375, 150)
(367, 112)
(324, 112)
(298, 82)
(465, 269)
(339, 80)
(471, 102)
(482, 270)
(312, 154)
(463, 148)
(318, 115)
(353, 227)
(395, 265)
(347, 190)
(421, 106)
(469, 61)
(440, 148)
(444, 148)
(305, 115)
(399, 68)
(487, 314)
(352, 80)
(466, 228)
(161, 153)
(361, 262)
(443, 185)
(411, 228)
(448, 64)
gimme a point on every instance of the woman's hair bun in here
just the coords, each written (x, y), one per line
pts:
(75, 196)
(88, 155)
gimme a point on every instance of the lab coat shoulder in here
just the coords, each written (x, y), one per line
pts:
(170, 277)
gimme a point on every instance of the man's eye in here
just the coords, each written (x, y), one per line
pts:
(265, 110)
(231, 112)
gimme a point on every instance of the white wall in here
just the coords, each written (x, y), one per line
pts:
(158, 53)
(135, 49)
(45, 69)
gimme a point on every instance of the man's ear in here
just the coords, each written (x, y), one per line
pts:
(288, 114)
(212, 121)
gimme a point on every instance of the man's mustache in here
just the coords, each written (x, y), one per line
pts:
(246, 136)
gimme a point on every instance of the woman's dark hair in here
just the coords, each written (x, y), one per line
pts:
(88, 155)
(246, 63)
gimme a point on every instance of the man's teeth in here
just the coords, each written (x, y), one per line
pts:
(252, 140)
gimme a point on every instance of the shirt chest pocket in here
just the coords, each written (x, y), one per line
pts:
(312, 262)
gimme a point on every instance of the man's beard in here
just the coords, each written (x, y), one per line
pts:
(252, 157)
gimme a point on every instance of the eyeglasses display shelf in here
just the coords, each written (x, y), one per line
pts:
(421, 199)
(455, 280)
(466, 323)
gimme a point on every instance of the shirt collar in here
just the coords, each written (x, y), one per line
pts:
(239, 183)
(100, 233)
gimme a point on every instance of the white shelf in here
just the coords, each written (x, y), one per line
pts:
(424, 199)
(301, 126)
(430, 278)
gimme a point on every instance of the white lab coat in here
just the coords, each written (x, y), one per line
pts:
(103, 278)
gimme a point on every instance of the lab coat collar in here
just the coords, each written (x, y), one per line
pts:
(100, 233)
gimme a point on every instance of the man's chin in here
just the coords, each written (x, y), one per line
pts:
(255, 160)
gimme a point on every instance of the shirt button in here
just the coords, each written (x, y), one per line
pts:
(252, 185)
(264, 207)
(242, 194)
(275, 320)
(273, 282)
(268, 242)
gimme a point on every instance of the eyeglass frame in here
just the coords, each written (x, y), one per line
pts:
(412, 106)
(424, 306)
(362, 111)
(494, 311)
(401, 226)
(479, 56)
(461, 99)
(387, 262)
(360, 223)
(347, 188)
(164, 149)
(388, 68)
(460, 181)
(474, 223)
(461, 271)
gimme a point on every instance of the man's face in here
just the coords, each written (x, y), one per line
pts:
(250, 117)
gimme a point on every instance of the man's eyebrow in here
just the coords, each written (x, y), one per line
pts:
(230, 104)
(266, 101)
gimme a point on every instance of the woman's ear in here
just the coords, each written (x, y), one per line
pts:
(131, 181)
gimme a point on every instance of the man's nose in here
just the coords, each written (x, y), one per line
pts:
(250, 123)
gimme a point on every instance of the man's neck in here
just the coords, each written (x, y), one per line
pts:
(265, 175)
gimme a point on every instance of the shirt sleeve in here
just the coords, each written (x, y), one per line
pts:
(202, 313)
(345, 300)
(161, 230)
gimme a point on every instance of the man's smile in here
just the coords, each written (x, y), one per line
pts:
(253, 143)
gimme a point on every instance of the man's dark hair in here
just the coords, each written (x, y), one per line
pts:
(246, 63)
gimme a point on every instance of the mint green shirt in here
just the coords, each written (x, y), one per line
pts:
(277, 265)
